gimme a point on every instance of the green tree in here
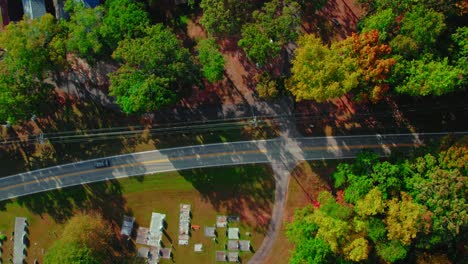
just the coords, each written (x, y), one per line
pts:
(156, 67)
(460, 38)
(84, 30)
(423, 26)
(277, 23)
(302, 226)
(392, 251)
(405, 47)
(123, 19)
(29, 55)
(211, 59)
(311, 251)
(441, 184)
(430, 77)
(224, 17)
(376, 230)
(69, 253)
(319, 72)
(384, 21)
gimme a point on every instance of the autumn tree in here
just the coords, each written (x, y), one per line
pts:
(155, 69)
(211, 59)
(30, 53)
(440, 184)
(267, 87)
(123, 19)
(86, 238)
(373, 60)
(272, 27)
(320, 72)
(404, 219)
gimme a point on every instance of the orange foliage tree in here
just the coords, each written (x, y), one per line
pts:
(373, 61)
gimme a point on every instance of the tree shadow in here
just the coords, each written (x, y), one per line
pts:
(247, 191)
(103, 197)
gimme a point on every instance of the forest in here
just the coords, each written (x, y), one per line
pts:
(418, 48)
(398, 210)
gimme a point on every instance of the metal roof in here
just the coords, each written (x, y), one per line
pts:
(34, 8)
(19, 247)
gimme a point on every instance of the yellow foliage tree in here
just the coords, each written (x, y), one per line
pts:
(371, 204)
(403, 219)
(357, 250)
(320, 72)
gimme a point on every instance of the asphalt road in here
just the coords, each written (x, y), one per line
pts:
(281, 153)
(263, 151)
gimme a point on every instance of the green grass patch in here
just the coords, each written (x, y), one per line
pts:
(247, 191)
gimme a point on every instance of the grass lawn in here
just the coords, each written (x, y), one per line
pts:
(247, 191)
(309, 179)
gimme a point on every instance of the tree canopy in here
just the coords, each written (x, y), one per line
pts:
(29, 54)
(224, 17)
(427, 61)
(84, 29)
(391, 209)
(85, 239)
(211, 59)
(320, 72)
(273, 26)
(123, 19)
(155, 68)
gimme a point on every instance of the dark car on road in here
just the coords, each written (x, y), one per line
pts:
(102, 163)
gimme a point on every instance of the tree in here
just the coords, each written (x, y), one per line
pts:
(392, 251)
(403, 219)
(274, 25)
(224, 17)
(84, 29)
(266, 86)
(123, 19)
(460, 38)
(373, 60)
(384, 21)
(319, 72)
(211, 59)
(69, 253)
(311, 251)
(376, 230)
(423, 26)
(85, 239)
(430, 77)
(156, 67)
(405, 47)
(440, 184)
(371, 204)
(357, 250)
(29, 54)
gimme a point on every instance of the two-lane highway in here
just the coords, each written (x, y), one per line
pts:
(245, 152)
